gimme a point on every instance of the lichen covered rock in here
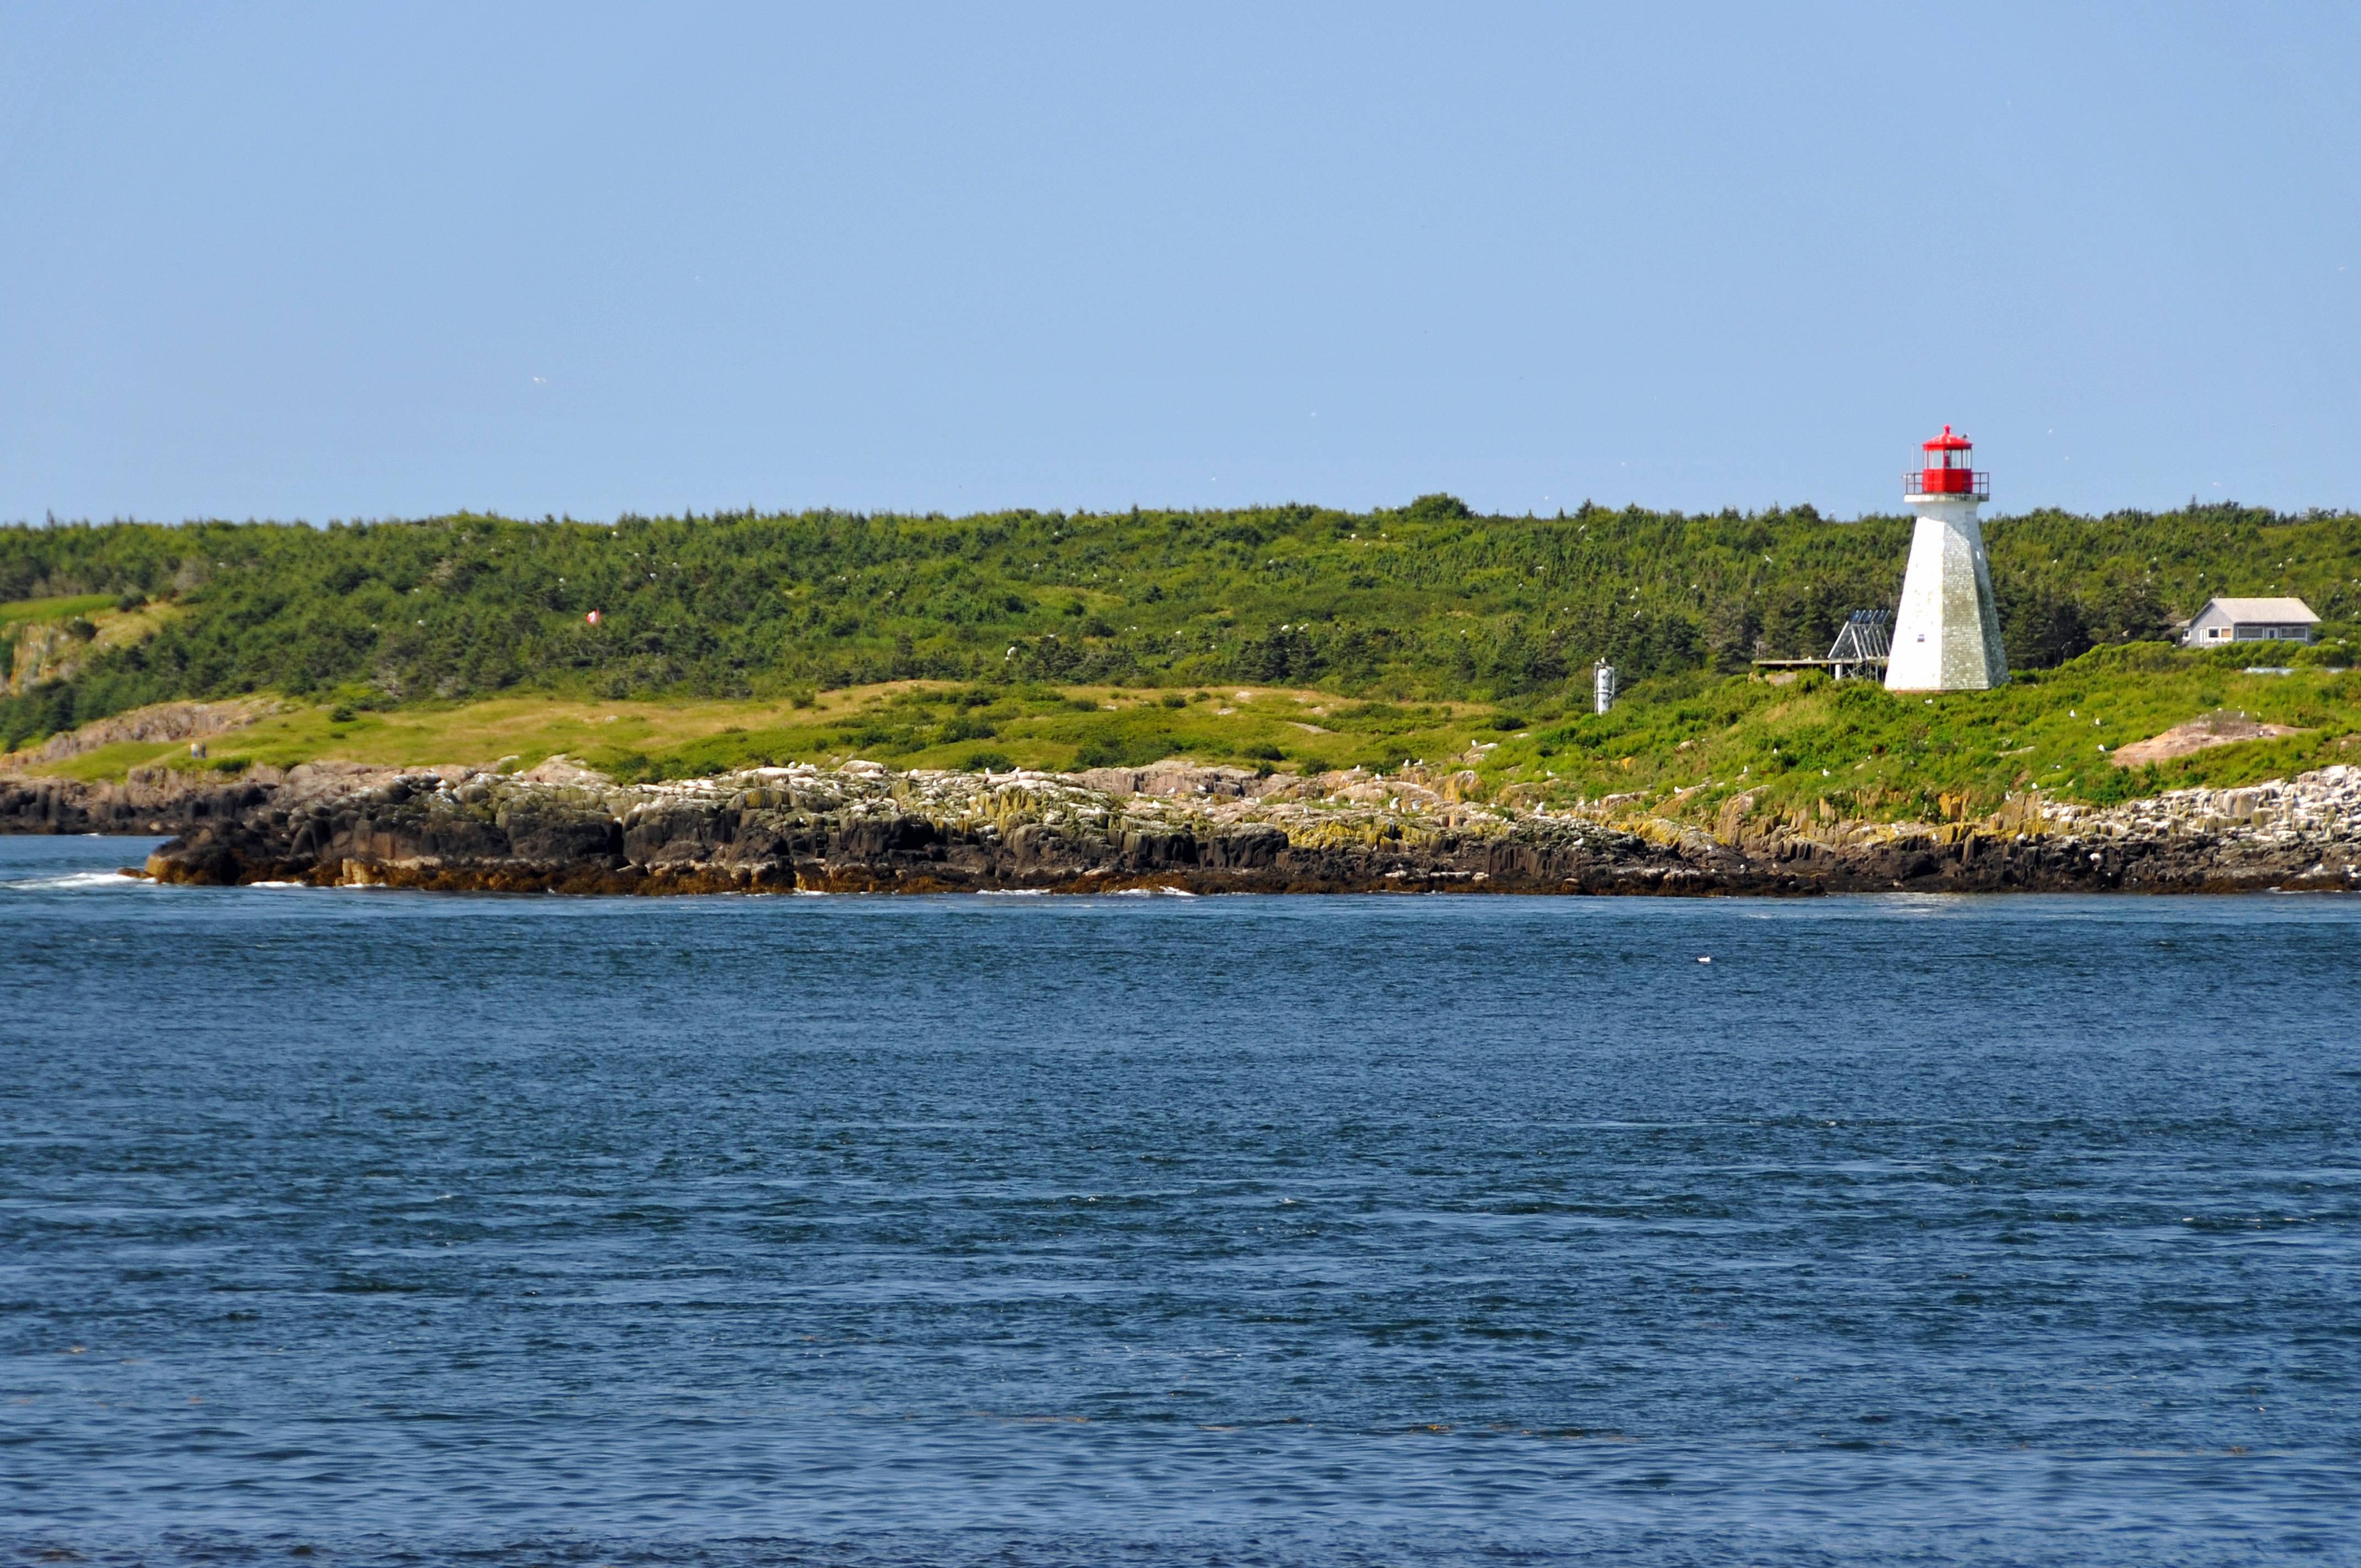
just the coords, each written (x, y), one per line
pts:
(864, 828)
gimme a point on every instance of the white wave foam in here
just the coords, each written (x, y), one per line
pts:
(77, 879)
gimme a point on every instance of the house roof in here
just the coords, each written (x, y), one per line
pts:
(2279, 609)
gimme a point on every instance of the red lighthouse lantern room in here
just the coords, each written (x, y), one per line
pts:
(1949, 469)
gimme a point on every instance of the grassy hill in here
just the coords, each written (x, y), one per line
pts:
(1054, 639)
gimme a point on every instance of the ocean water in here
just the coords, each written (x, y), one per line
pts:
(358, 1226)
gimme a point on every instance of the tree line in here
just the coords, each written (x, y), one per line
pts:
(1425, 601)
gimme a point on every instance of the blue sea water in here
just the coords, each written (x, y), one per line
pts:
(382, 1227)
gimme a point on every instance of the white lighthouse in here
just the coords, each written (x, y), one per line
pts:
(1947, 635)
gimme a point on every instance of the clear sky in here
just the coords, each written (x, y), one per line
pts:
(320, 261)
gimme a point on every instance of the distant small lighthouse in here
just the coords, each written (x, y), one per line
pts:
(1947, 635)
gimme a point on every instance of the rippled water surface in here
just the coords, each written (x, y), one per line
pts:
(1412, 1230)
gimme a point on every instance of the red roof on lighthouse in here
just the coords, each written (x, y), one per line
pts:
(1947, 470)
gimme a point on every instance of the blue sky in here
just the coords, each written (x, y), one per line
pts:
(310, 261)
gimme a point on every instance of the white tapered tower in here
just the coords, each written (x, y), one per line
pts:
(1946, 634)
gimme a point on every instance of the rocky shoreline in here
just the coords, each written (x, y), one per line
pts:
(149, 800)
(865, 828)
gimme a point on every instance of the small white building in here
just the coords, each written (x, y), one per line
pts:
(2249, 621)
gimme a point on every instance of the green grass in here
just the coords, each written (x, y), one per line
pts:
(64, 608)
(926, 724)
(1690, 745)
(904, 725)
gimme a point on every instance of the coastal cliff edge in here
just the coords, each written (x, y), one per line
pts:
(863, 828)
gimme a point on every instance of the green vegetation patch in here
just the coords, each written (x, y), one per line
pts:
(1043, 727)
(61, 608)
(1813, 747)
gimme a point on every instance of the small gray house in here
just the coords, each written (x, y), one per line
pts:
(2250, 621)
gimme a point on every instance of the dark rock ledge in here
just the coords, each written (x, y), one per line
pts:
(865, 829)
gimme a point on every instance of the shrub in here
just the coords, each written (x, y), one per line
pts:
(966, 726)
(1120, 751)
(1440, 507)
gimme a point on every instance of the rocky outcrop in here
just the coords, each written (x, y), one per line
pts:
(153, 799)
(2299, 835)
(2304, 833)
(40, 652)
(158, 721)
(2217, 729)
(865, 828)
(46, 651)
(149, 800)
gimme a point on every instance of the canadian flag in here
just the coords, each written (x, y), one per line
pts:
(592, 617)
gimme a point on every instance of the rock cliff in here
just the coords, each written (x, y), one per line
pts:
(149, 800)
(865, 828)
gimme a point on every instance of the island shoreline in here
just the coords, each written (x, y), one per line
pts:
(1173, 827)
